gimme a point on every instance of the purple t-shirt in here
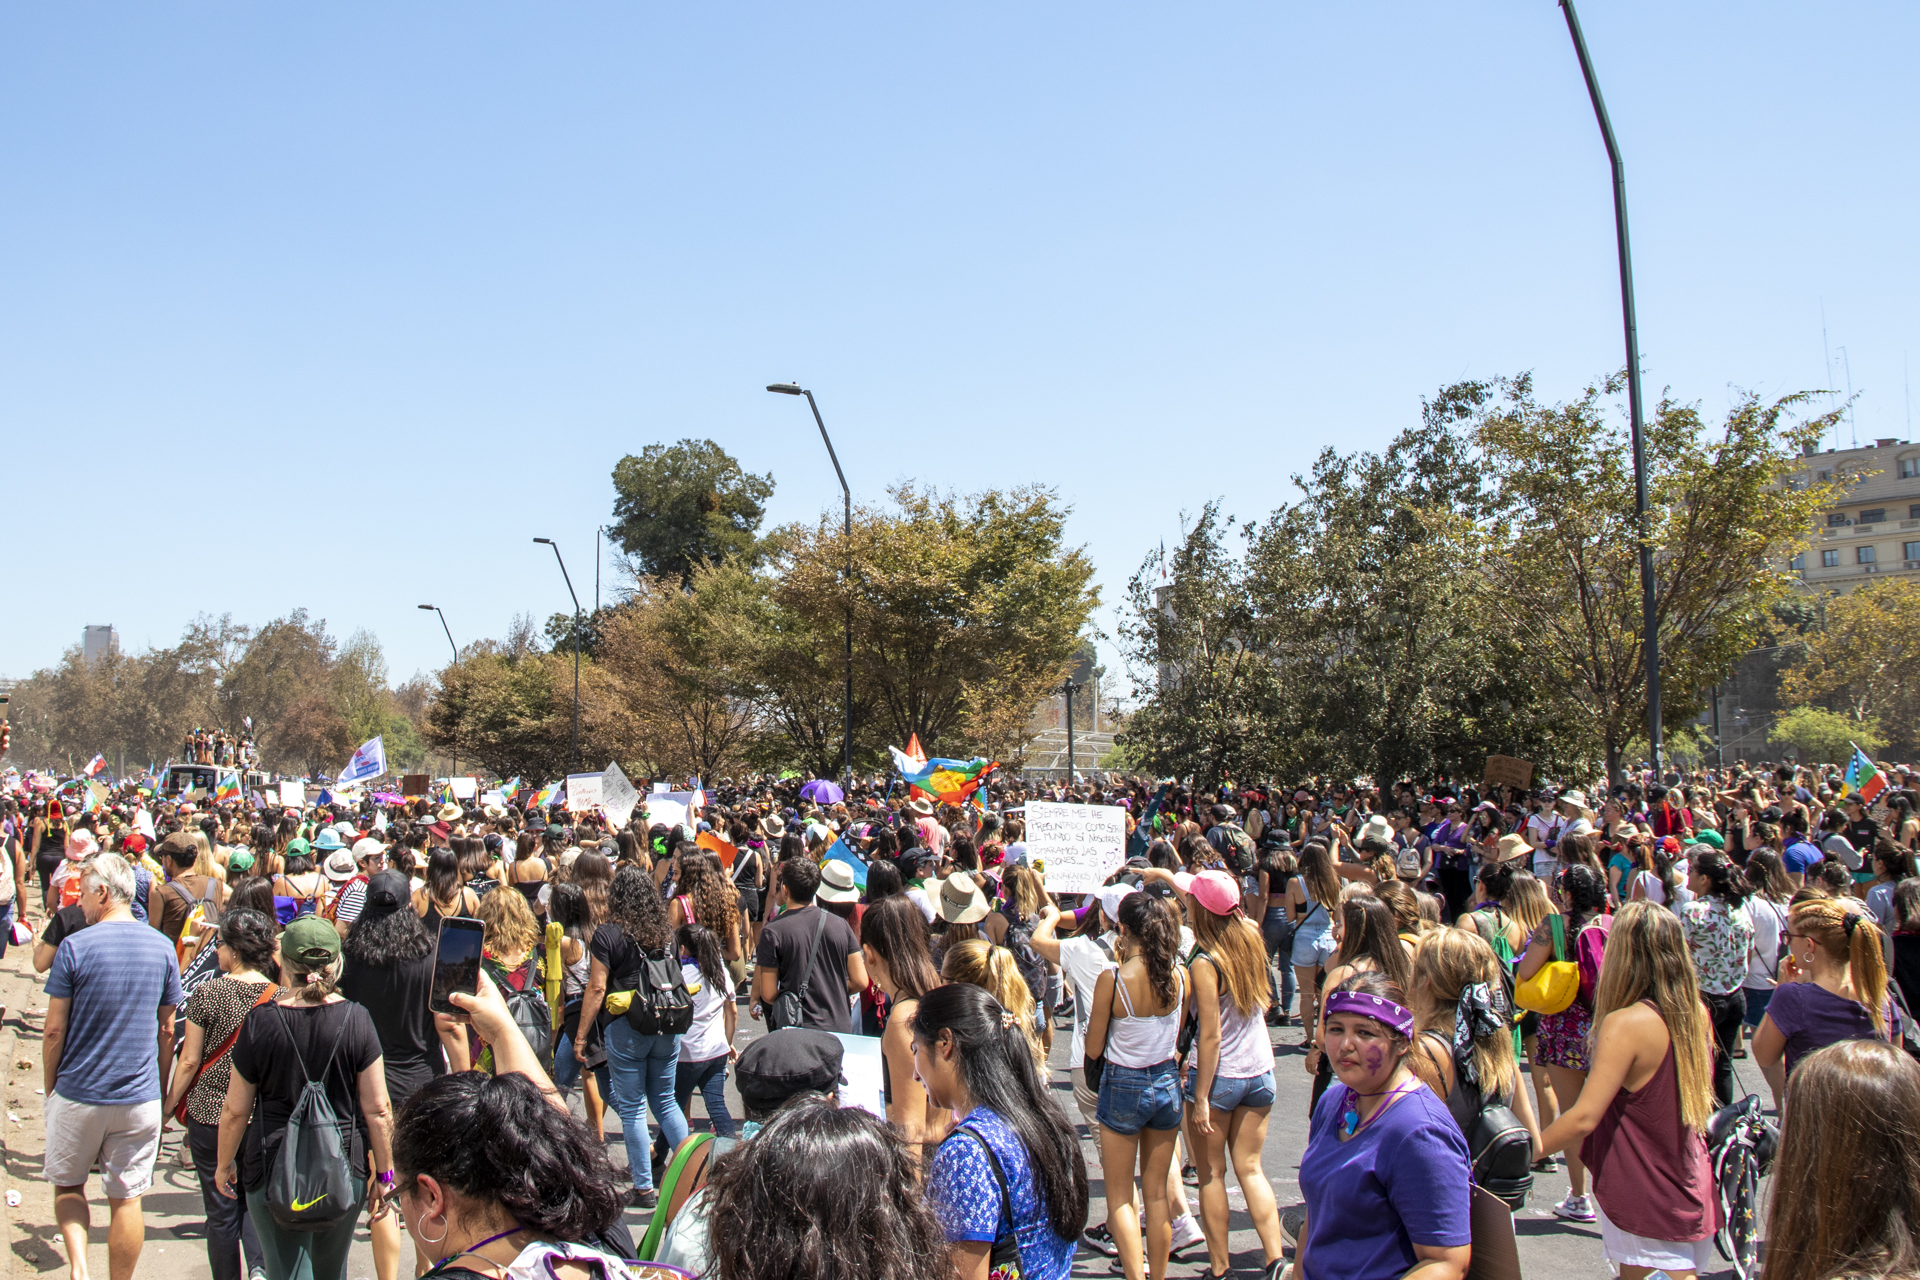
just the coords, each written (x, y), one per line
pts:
(1812, 1017)
(1402, 1180)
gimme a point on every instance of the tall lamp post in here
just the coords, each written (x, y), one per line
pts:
(1069, 688)
(795, 389)
(454, 768)
(576, 647)
(1650, 637)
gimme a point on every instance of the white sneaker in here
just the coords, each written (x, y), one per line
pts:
(1574, 1209)
(1186, 1232)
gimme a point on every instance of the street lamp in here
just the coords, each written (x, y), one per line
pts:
(795, 389)
(454, 769)
(1649, 634)
(576, 647)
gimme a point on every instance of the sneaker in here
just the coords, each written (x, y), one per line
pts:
(1189, 1175)
(643, 1198)
(1276, 1269)
(1546, 1164)
(1186, 1234)
(1574, 1209)
(258, 1273)
(1100, 1240)
(1292, 1218)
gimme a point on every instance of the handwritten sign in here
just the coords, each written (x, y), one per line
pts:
(1508, 771)
(617, 795)
(293, 795)
(583, 792)
(1079, 845)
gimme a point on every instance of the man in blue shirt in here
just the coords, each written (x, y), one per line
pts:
(1801, 853)
(109, 1043)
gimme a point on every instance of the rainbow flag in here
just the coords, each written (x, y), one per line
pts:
(1863, 778)
(227, 790)
(948, 781)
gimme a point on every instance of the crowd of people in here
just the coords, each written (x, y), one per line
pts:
(1484, 980)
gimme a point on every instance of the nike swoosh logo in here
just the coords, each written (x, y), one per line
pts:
(302, 1208)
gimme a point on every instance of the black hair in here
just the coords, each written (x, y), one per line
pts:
(883, 881)
(387, 941)
(1497, 879)
(793, 847)
(1724, 880)
(443, 874)
(818, 1192)
(1586, 895)
(251, 893)
(298, 864)
(567, 907)
(801, 876)
(250, 936)
(964, 856)
(498, 1138)
(1149, 919)
(634, 904)
(998, 1069)
(897, 932)
(697, 940)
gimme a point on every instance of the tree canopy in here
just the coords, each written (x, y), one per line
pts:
(677, 505)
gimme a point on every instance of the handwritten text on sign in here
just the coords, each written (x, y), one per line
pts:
(1081, 844)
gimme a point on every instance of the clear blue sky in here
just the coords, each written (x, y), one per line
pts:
(292, 293)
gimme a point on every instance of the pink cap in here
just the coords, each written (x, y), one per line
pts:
(1216, 891)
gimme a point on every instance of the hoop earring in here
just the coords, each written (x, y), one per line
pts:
(445, 1227)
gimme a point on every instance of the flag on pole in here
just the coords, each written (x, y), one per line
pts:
(370, 761)
(227, 790)
(1863, 778)
(838, 852)
(95, 765)
(544, 796)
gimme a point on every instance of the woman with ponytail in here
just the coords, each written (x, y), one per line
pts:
(1843, 997)
(1009, 1184)
(979, 963)
(1134, 1027)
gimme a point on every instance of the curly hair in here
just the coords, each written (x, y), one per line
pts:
(510, 926)
(498, 1139)
(1148, 919)
(715, 901)
(634, 904)
(385, 941)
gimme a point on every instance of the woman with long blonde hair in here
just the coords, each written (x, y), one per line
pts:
(1456, 981)
(1313, 896)
(1642, 1114)
(1844, 995)
(979, 963)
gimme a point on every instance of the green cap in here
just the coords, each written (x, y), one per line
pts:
(239, 860)
(1710, 836)
(309, 943)
(298, 848)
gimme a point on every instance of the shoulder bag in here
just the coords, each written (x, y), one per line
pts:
(1553, 987)
(226, 1047)
(789, 1005)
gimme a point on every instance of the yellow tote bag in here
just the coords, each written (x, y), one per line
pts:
(1554, 986)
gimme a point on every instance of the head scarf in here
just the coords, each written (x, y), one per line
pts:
(1397, 1017)
(1481, 1011)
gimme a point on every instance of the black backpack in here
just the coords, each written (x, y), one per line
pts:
(531, 1013)
(662, 1005)
(310, 1182)
(1499, 1148)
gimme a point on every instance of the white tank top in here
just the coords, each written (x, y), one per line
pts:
(1139, 1042)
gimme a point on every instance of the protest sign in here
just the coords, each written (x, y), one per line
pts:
(293, 795)
(493, 797)
(1508, 771)
(1080, 845)
(414, 784)
(617, 795)
(862, 1084)
(464, 788)
(583, 792)
(664, 811)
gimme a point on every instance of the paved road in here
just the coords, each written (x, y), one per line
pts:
(176, 1246)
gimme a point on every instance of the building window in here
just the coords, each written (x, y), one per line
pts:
(1826, 475)
(1913, 512)
(1909, 468)
(1873, 516)
(1864, 555)
(1837, 518)
(1800, 561)
(1829, 559)
(1910, 551)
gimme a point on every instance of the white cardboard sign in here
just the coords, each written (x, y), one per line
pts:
(583, 792)
(1080, 845)
(617, 795)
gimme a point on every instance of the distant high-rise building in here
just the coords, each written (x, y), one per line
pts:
(95, 641)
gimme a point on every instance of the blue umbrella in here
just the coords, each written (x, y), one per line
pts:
(820, 791)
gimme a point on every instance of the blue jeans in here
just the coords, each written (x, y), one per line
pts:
(642, 1073)
(710, 1078)
(566, 1067)
(1136, 1098)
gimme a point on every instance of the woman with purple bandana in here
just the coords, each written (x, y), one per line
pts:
(1385, 1173)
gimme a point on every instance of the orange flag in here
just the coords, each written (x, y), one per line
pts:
(726, 852)
(918, 756)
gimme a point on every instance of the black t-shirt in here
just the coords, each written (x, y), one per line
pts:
(1861, 835)
(395, 997)
(265, 1055)
(612, 947)
(786, 943)
(66, 922)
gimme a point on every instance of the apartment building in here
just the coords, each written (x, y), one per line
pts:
(1874, 528)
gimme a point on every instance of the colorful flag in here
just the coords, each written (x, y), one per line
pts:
(370, 761)
(948, 781)
(714, 844)
(227, 790)
(919, 758)
(95, 765)
(1863, 778)
(509, 789)
(838, 852)
(544, 796)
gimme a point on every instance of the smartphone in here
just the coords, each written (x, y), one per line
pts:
(456, 962)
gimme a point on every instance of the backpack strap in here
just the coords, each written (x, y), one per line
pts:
(1000, 1182)
(1558, 924)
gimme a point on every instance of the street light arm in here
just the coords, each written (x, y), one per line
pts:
(567, 577)
(846, 492)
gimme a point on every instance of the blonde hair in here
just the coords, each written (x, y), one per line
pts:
(1854, 939)
(1445, 963)
(979, 963)
(1647, 959)
(1023, 886)
(1238, 954)
(510, 926)
(203, 863)
(313, 985)
(1527, 900)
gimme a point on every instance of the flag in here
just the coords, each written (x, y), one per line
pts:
(227, 789)
(714, 844)
(919, 757)
(370, 761)
(95, 765)
(1862, 778)
(509, 789)
(544, 796)
(948, 781)
(838, 852)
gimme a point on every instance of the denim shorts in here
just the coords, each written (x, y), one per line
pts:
(1136, 1098)
(1229, 1092)
(1313, 941)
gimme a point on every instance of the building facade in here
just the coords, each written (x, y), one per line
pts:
(1874, 526)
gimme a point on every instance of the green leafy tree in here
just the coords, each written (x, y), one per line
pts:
(1826, 737)
(1864, 661)
(680, 504)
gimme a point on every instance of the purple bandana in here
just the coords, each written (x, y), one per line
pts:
(1381, 1010)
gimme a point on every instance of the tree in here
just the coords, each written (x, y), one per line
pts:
(1558, 553)
(680, 504)
(514, 713)
(1865, 661)
(1826, 737)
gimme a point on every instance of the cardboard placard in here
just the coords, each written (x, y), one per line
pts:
(618, 796)
(464, 788)
(583, 792)
(414, 784)
(1508, 771)
(1077, 845)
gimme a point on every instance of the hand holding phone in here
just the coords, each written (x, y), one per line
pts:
(456, 962)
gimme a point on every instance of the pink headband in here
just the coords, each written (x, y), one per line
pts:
(1381, 1010)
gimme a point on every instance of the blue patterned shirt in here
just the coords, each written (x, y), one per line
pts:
(966, 1196)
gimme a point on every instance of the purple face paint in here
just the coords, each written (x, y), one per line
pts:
(1373, 1057)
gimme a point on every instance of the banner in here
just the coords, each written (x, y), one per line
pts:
(293, 795)
(370, 761)
(618, 796)
(1077, 845)
(1508, 771)
(414, 784)
(583, 792)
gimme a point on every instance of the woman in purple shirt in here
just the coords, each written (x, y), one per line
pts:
(1385, 1173)
(1843, 995)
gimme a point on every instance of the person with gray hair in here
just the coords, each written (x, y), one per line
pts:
(111, 993)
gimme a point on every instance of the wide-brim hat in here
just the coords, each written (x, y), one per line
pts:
(922, 807)
(449, 813)
(494, 812)
(961, 901)
(340, 866)
(837, 883)
(1511, 846)
(772, 827)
